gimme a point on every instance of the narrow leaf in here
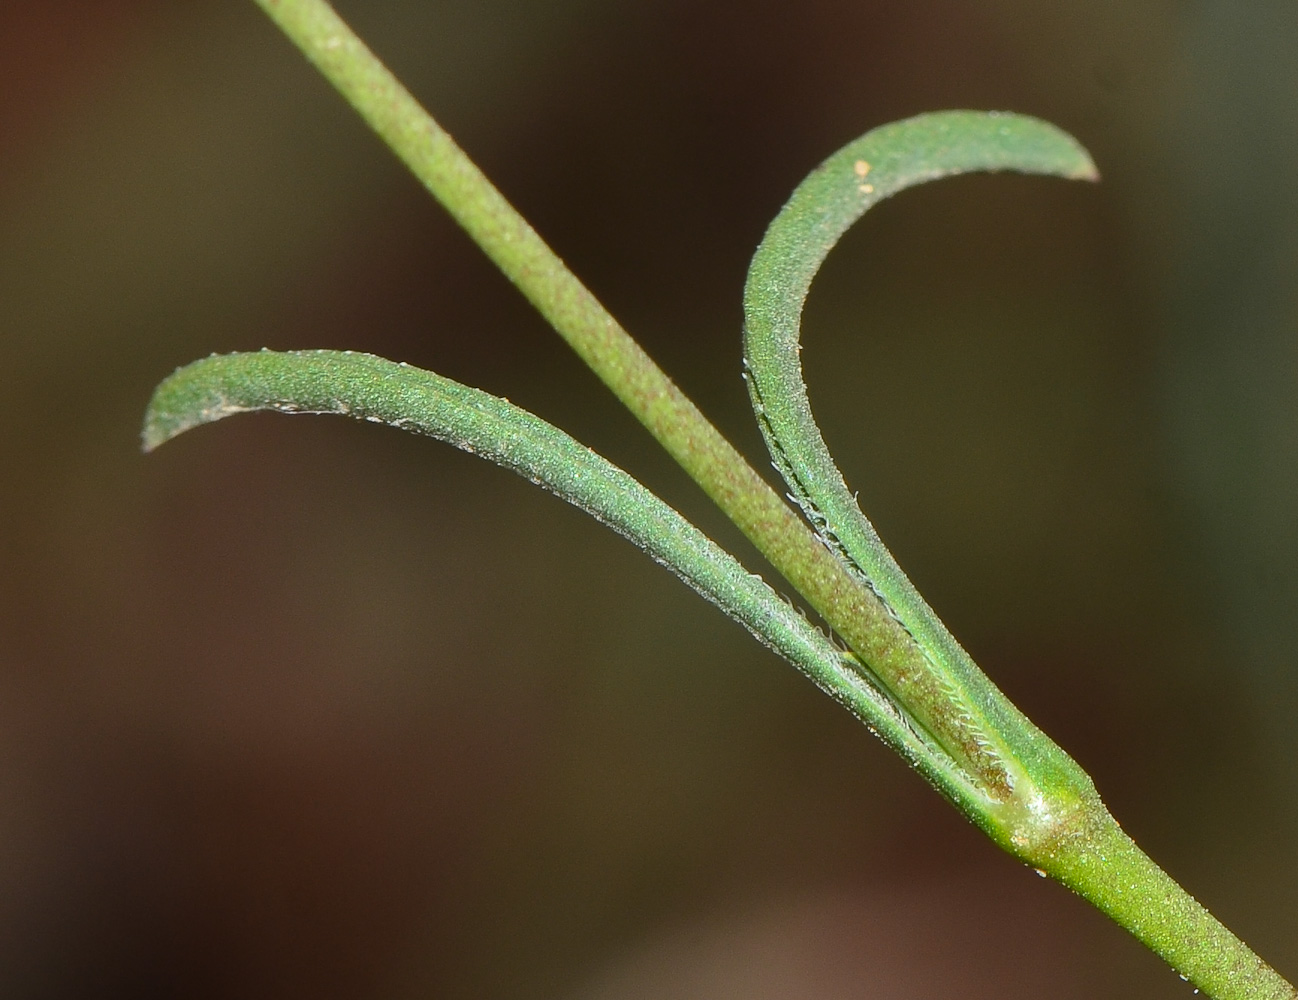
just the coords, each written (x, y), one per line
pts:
(369, 388)
(952, 697)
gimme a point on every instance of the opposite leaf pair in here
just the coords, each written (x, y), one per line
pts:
(906, 677)
(909, 679)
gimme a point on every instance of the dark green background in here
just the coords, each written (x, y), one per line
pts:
(307, 708)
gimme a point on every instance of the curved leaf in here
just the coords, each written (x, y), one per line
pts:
(985, 732)
(366, 387)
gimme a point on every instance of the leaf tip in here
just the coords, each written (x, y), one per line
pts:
(160, 425)
(190, 396)
(150, 438)
(157, 429)
(1086, 170)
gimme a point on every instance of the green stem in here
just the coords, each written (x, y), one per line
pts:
(453, 179)
(1106, 867)
(989, 760)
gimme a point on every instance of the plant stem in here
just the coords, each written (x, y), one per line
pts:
(1066, 832)
(851, 608)
(1106, 867)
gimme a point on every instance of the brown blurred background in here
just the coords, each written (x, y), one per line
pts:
(306, 708)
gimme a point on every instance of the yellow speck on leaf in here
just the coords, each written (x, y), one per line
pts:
(865, 188)
(862, 168)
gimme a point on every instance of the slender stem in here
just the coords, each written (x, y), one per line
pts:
(1066, 831)
(1107, 868)
(851, 608)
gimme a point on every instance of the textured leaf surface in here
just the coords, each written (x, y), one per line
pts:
(365, 387)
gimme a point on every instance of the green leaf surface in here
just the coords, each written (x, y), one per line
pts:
(366, 387)
(985, 732)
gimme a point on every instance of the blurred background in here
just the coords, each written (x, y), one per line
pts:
(307, 708)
